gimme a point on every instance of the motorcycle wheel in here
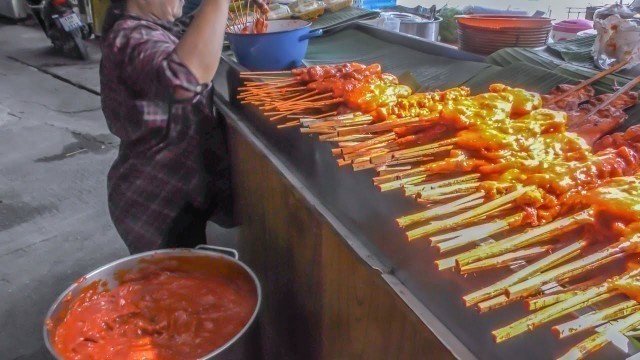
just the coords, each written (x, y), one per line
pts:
(80, 48)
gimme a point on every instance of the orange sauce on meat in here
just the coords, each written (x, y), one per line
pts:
(376, 92)
(162, 311)
(419, 104)
(616, 208)
(510, 140)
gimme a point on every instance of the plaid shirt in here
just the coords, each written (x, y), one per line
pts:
(172, 153)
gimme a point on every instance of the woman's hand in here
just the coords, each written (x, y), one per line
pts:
(261, 5)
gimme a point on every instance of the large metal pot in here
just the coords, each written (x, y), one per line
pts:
(417, 26)
(239, 347)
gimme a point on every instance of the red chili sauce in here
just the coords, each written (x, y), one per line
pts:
(158, 312)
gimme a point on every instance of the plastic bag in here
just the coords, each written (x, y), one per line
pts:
(618, 37)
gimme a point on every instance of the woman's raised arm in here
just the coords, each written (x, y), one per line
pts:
(201, 46)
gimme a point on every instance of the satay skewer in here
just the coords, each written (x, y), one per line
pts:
(531, 236)
(507, 259)
(387, 186)
(498, 288)
(558, 294)
(266, 72)
(591, 80)
(596, 318)
(464, 218)
(600, 339)
(545, 315)
(627, 87)
(237, 23)
(585, 298)
(246, 15)
(463, 238)
(569, 270)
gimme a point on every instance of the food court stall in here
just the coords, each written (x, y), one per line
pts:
(402, 198)
(340, 280)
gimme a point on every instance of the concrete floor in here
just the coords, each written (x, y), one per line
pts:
(55, 151)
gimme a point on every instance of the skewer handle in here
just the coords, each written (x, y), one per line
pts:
(630, 85)
(589, 81)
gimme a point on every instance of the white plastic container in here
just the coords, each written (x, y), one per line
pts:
(569, 29)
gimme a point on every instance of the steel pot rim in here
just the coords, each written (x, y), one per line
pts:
(61, 297)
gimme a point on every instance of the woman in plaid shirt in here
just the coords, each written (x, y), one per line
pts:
(171, 173)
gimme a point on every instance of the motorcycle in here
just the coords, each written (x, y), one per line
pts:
(62, 24)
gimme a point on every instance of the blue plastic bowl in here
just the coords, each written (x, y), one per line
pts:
(282, 47)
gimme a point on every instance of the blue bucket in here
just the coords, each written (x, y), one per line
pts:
(282, 47)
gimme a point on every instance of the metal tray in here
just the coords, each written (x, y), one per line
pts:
(364, 213)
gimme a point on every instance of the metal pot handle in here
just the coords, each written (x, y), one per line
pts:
(312, 34)
(219, 249)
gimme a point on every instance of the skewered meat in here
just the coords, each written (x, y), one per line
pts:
(630, 138)
(621, 101)
(348, 70)
(569, 102)
(261, 26)
(597, 125)
(602, 122)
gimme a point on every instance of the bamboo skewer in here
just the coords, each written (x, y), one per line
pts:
(414, 189)
(589, 81)
(246, 15)
(469, 201)
(630, 85)
(252, 76)
(462, 219)
(544, 300)
(387, 169)
(548, 300)
(307, 121)
(332, 124)
(289, 124)
(414, 160)
(274, 93)
(596, 318)
(597, 341)
(497, 302)
(283, 72)
(566, 271)
(404, 174)
(534, 235)
(365, 144)
(388, 125)
(535, 268)
(259, 87)
(254, 14)
(583, 299)
(586, 298)
(268, 84)
(353, 138)
(472, 234)
(464, 188)
(236, 21)
(402, 154)
(506, 259)
(398, 183)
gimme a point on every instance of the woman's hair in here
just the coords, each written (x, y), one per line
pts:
(114, 14)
